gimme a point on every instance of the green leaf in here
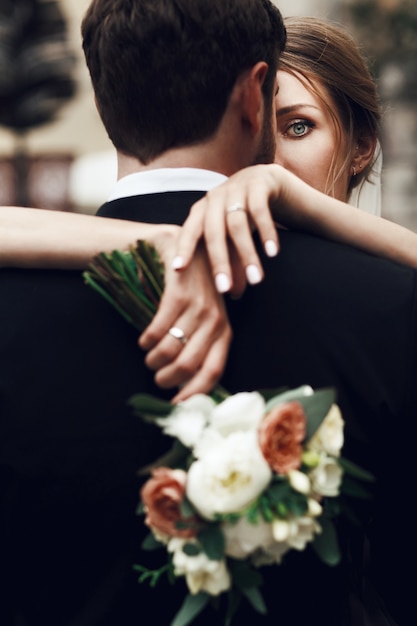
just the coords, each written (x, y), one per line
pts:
(288, 396)
(332, 507)
(267, 514)
(192, 606)
(278, 491)
(354, 470)
(150, 543)
(219, 394)
(316, 405)
(191, 549)
(244, 575)
(284, 499)
(186, 508)
(268, 394)
(229, 518)
(234, 599)
(149, 407)
(297, 503)
(351, 488)
(151, 576)
(254, 597)
(326, 544)
(212, 542)
(252, 514)
(316, 408)
(281, 509)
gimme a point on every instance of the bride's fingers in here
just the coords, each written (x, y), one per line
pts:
(189, 371)
(206, 217)
(260, 214)
(237, 235)
(205, 379)
(179, 343)
(227, 215)
(169, 310)
(168, 349)
(240, 234)
(191, 233)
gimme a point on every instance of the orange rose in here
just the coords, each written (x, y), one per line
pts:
(281, 434)
(162, 495)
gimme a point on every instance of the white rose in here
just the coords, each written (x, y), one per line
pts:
(329, 436)
(244, 538)
(227, 477)
(188, 419)
(201, 573)
(210, 438)
(295, 531)
(242, 411)
(326, 478)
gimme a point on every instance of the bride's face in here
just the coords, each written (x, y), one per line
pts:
(307, 142)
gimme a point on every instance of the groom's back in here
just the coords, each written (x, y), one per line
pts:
(70, 449)
(329, 315)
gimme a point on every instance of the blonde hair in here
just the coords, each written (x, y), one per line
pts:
(323, 54)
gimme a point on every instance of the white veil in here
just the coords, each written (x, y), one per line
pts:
(367, 195)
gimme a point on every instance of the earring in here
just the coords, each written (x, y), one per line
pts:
(353, 170)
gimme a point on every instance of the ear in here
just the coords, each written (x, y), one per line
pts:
(363, 152)
(252, 98)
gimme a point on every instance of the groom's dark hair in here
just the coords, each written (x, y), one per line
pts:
(163, 70)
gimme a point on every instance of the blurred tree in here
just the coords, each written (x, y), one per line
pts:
(36, 73)
(387, 30)
(387, 33)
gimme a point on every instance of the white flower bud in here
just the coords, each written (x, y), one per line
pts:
(299, 481)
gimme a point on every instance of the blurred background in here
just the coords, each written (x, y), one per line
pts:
(55, 154)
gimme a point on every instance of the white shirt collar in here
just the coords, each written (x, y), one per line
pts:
(166, 179)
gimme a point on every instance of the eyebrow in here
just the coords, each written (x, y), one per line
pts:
(294, 107)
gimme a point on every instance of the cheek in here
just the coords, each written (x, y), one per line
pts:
(306, 160)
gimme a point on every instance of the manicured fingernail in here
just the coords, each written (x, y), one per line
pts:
(271, 248)
(177, 263)
(222, 283)
(253, 274)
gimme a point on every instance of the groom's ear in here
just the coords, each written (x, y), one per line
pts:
(252, 98)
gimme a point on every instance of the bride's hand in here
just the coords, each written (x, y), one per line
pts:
(226, 218)
(191, 305)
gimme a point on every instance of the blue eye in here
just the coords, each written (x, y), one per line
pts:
(300, 128)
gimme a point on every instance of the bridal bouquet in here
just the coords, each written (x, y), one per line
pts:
(250, 476)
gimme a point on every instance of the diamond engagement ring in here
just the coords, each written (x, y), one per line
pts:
(237, 206)
(179, 334)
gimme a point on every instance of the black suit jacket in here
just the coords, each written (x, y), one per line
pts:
(69, 447)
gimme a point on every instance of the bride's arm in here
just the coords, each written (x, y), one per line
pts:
(338, 221)
(35, 238)
(293, 204)
(38, 238)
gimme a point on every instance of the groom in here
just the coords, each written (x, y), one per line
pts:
(70, 447)
(185, 90)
